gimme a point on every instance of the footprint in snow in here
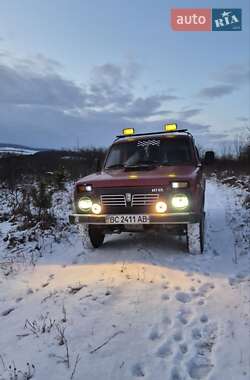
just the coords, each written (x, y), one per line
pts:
(203, 289)
(165, 286)
(177, 336)
(204, 318)
(164, 350)
(7, 312)
(183, 316)
(165, 297)
(199, 367)
(215, 252)
(137, 370)
(154, 334)
(30, 291)
(175, 375)
(166, 320)
(183, 297)
(196, 333)
(183, 348)
(201, 302)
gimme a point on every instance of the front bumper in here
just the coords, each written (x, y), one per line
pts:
(168, 218)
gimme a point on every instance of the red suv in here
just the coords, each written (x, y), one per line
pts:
(149, 181)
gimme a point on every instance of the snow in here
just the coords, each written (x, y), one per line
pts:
(139, 307)
(17, 151)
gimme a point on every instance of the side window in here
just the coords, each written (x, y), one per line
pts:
(114, 157)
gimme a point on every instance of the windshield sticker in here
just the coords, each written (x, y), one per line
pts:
(146, 143)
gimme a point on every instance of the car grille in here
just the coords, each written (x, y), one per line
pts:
(137, 200)
(144, 199)
(113, 200)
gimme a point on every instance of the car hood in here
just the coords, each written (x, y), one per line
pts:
(160, 176)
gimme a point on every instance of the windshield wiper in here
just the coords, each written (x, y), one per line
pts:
(175, 163)
(115, 166)
(142, 165)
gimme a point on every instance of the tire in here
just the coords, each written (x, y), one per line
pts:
(92, 236)
(195, 236)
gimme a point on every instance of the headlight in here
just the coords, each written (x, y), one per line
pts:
(161, 207)
(179, 185)
(88, 188)
(85, 204)
(180, 201)
(96, 208)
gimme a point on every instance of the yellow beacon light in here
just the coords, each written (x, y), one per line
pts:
(170, 127)
(128, 131)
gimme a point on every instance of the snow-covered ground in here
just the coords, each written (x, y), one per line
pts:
(17, 151)
(139, 307)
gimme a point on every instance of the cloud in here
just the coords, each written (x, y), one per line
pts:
(34, 63)
(39, 106)
(236, 74)
(228, 80)
(243, 119)
(51, 127)
(188, 113)
(196, 128)
(145, 107)
(36, 81)
(217, 91)
(109, 86)
(22, 87)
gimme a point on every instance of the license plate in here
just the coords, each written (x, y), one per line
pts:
(127, 219)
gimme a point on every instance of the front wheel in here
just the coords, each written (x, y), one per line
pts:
(195, 236)
(92, 236)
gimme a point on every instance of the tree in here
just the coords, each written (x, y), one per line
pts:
(42, 199)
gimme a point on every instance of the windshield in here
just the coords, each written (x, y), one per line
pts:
(149, 152)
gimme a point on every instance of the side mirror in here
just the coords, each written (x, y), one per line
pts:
(209, 158)
(98, 166)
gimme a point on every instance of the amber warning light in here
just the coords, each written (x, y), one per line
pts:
(170, 127)
(128, 131)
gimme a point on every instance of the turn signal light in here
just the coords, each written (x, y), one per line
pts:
(179, 185)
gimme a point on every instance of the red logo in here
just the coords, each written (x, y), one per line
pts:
(191, 19)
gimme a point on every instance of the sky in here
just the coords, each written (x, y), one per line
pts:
(75, 73)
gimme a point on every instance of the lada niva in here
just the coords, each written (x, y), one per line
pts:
(149, 181)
